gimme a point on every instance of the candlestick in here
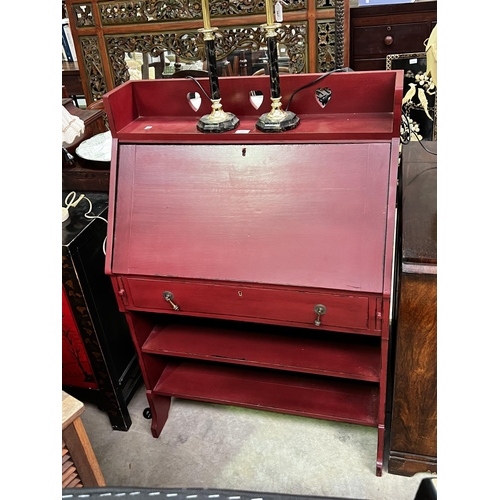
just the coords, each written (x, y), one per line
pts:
(205, 10)
(218, 120)
(269, 12)
(276, 120)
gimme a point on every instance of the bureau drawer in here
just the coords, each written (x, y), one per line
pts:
(390, 39)
(252, 303)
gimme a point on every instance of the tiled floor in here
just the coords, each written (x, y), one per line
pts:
(214, 446)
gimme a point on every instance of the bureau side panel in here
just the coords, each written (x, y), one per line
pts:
(414, 417)
(291, 214)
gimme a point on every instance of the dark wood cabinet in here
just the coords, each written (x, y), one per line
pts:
(413, 446)
(380, 30)
(254, 268)
(99, 360)
(71, 79)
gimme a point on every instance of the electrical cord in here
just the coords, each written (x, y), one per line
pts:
(324, 75)
(71, 201)
(430, 152)
(409, 131)
(199, 85)
(419, 174)
(406, 135)
(404, 141)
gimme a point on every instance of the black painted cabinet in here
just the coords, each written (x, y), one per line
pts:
(99, 360)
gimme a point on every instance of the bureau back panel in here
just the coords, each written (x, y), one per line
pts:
(311, 215)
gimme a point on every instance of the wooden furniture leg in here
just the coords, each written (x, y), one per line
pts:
(80, 467)
(160, 407)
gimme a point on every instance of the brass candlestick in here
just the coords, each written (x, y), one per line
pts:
(218, 120)
(277, 120)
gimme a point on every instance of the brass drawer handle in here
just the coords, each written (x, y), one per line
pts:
(169, 297)
(388, 40)
(319, 309)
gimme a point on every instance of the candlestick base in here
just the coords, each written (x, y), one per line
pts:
(218, 120)
(277, 120)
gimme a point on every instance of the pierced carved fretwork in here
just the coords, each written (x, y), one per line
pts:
(241, 7)
(292, 36)
(154, 26)
(84, 15)
(186, 45)
(150, 11)
(93, 66)
(326, 46)
(329, 4)
(190, 46)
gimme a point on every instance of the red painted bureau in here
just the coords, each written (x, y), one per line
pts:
(254, 269)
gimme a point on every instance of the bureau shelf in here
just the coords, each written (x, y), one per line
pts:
(144, 110)
(300, 350)
(344, 126)
(306, 395)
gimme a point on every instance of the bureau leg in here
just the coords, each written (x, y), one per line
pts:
(380, 450)
(160, 406)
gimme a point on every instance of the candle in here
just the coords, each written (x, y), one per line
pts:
(206, 14)
(269, 12)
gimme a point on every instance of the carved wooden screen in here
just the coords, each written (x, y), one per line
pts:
(114, 38)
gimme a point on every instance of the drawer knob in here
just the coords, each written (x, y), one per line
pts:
(319, 309)
(388, 40)
(169, 297)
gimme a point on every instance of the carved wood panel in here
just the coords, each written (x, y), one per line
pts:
(326, 45)
(84, 15)
(145, 11)
(93, 67)
(189, 46)
(314, 34)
